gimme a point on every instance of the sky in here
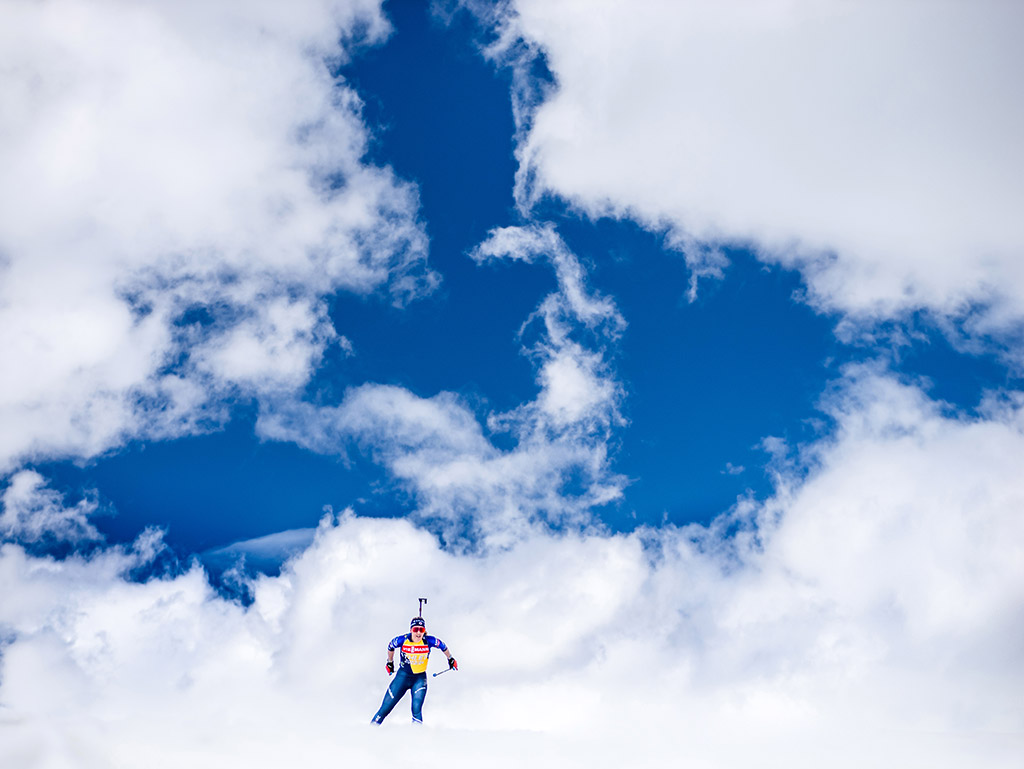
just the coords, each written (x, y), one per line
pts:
(673, 350)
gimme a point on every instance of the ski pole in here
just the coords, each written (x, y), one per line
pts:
(435, 675)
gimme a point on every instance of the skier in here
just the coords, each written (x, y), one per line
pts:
(415, 648)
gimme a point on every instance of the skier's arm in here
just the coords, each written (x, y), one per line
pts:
(451, 660)
(438, 643)
(394, 644)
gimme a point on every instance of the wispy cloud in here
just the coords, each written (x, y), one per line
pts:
(260, 553)
(559, 469)
(33, 513)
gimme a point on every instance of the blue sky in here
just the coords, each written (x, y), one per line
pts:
(630, 321)
(706, 380)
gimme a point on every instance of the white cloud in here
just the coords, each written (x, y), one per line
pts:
(573, 298)
(275, 347)
(33, 513)
(873, 145)
(571, 390)
(871, 616)
(576, 383)
(180, 179)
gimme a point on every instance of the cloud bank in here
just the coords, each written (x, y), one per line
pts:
(874, 146)
(183, 187)
(867, 614)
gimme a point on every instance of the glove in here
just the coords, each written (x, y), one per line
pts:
(390, 667)
(452, 664)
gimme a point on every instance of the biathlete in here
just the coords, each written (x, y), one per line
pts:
(414, 648)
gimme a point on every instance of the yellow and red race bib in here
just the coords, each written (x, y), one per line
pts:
(416, 655)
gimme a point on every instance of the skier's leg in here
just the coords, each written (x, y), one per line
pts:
(391, 697)
(399, 686)
(419, 693)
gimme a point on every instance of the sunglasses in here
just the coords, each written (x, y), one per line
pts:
(418, 630)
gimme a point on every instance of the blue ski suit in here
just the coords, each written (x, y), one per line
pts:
(411, 674)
